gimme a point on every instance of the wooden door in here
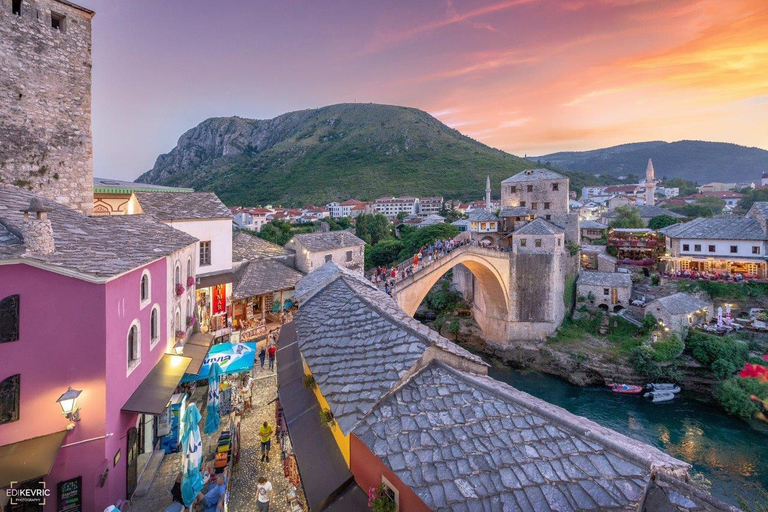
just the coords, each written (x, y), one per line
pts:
(132, 461)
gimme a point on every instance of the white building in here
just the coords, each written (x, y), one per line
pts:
(251, 218)
(390, 207)
(349, 208)
(313, 250)
(430, 206)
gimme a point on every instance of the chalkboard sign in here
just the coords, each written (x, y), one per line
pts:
(70, 495)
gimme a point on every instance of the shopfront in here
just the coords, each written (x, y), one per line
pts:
(214, 305)
(715, 267)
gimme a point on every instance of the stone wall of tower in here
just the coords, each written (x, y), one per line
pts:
(45, 100)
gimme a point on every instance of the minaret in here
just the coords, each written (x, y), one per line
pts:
(488, 193)
(650, 185)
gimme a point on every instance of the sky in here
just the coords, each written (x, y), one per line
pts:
(526, 76)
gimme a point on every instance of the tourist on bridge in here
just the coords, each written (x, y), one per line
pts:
(262, 355)
(272, 351)
(265, 433)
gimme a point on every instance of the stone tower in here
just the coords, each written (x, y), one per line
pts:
(488, 193)
(45, 111)
(650, 185)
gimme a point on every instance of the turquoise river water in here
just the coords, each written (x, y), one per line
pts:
(728, 456)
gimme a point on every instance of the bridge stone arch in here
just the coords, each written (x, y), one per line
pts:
(491, 270)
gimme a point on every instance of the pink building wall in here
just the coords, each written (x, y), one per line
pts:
(74, 333)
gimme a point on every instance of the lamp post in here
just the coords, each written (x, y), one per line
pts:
(68, 403)
(178, 348)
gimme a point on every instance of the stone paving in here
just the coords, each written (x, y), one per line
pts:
(250, 467)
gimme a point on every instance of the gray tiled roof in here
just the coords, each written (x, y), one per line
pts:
(736, 228)
(119, 186)
(680, 303)
(249, 247)
(357, 341)
(328, 241)
(647, 212)
(518, 211)
(539, 226)
(469, 442)
(593, 248)
(482, 216)
(262, 276)
(591, 224)
(101, 246)
(760, 206)
(193, 205)
(533, 175)
(591, 278)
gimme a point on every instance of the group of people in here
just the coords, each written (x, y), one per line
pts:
(426, 255)
(269, 350)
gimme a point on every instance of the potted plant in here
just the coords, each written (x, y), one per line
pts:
(326, 416)
(309, 381)
(190, 281)
(179, 289)
(191, 321)
(180, 335)
(379, 500)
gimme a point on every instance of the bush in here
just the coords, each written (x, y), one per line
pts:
(439, 322)
(667, 349)
(309, 381)
(655, 280)
(707, 349)
(722, 369)
(454, 327)
(445, 298)
(326, 417)
(733, 395)
(649, 324)
(383, 254)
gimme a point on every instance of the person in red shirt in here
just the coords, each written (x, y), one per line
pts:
(271, 351)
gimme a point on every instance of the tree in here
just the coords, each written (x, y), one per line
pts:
(662, 221)
(372, 228)
(454, 328)
(627, 217)
(686, 187)
(416, 239)
(713, 203)
(383, 254)
(401, 216)
(276, 231)
(752, 196)
(338, 224)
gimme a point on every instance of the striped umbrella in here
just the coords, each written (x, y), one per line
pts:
(192, 443)
(212, 419)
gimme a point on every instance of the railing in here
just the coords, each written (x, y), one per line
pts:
(455, 253)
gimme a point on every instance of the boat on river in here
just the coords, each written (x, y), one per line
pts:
(655, 386)
(659, 396)
(626, 389)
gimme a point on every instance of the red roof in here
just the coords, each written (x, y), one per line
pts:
(351, 202)
(726, 194)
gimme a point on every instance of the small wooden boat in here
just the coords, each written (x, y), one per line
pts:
(626, 389)
(659, 396)
(655, 386)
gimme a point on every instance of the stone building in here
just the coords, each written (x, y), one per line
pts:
(605, 290)
(313, 250)
(543, 191)
(45, 113)
(681, 311)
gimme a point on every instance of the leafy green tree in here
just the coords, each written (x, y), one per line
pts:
(713, 203)
(338, 224)
(276, 231)
(454, 327)
(417, 238)
(383, 254)
(661, 221)
(686, 187)
(401, 216)
(752, 196)
(733, 395)
(372, 228)
(693, 210)
(627, 217)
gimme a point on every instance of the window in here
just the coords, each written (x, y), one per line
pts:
(523, 242)
(529, 188)
(547, 217)
(522, 204)
(58, 21)
(711, 248)
(697, 247)
(177, 321)
(189, 267)
(686, 247)
(177, 274)
(145, 288)
(606, 291)
(537, 242)
(546, 206)
(555, 187)
(755, 249)
(16, 7)
(559, 242)
(9, 319)
(534, 206)
(391, 492)
(734, 249)
(513, 189)
(328, 257)
(205, 253)
(9, 399)
(154, 325)
(134, 346)
(349, 255)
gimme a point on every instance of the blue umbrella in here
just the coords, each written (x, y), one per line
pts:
(192, 444)
(212, 419)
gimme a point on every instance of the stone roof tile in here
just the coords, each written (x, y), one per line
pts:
(248, 247)
(183, 206)
(592, 278)
(534, 175)
(737, 228)
(328, 241)
(262, 276)
(539, 226)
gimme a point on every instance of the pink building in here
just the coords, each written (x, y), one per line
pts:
(83, 305)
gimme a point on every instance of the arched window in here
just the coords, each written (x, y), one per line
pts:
(10, 392)
(177, 321)
(154, 325)
(9, 319)
(189, 267)
(134, 345)
(177, 274)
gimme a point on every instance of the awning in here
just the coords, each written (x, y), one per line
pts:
(156, 389)
(231, 358)
(215, 279)
(196, 348)
(29, 459)
(324, 473)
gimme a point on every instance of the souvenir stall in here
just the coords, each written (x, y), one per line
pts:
(214, 309)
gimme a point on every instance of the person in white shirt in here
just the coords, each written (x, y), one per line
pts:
(264, 494)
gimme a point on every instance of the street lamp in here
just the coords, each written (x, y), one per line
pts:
(178, 348)
(68, 403)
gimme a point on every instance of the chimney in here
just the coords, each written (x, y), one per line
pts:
(37, 231)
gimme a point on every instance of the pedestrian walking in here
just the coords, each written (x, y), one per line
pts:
(272, 351)
(265, 433)
(264, 494)
(262, 355)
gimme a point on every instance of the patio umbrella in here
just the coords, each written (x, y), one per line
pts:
(212, 419)
(192, 443)
(719, 317)
(728, 314)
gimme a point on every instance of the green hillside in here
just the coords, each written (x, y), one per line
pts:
(363, 151)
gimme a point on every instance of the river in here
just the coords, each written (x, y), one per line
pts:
(728, 457)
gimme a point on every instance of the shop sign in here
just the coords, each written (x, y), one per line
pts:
(69, 495)
(231, 358)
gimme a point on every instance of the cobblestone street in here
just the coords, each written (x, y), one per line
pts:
(250, 468)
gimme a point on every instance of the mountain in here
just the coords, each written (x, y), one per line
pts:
(693, 160)
(364, 151)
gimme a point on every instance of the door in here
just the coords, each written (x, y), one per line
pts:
(131, 459)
